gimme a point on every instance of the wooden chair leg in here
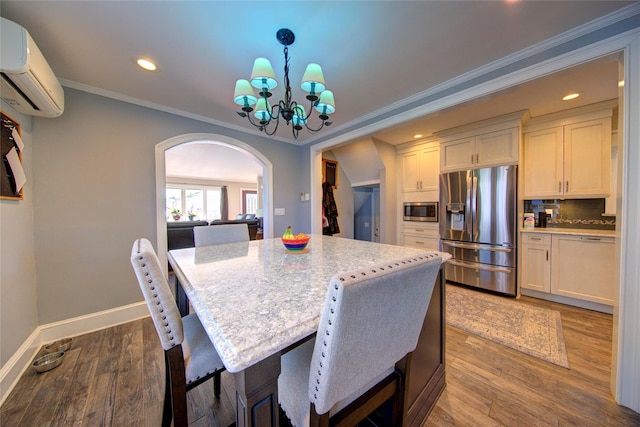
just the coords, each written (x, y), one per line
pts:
(182, 300)
(178, 386)
(316, 420)
(216, 385)
(166, 407)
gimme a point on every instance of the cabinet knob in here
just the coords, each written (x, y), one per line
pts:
(567, 187)
(471, 158)
(547, 255)
(559, 186)
(477, 158)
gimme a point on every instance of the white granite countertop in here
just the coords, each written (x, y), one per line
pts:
(570, 231)
(255, 298)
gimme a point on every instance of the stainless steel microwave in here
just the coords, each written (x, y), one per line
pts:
(420, 211)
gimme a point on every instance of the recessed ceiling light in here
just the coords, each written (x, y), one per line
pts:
(570, 96)
(146, 64)
(417, 135)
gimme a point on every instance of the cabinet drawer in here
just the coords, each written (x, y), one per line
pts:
(430, 229)
(424, 242)
(536, 239)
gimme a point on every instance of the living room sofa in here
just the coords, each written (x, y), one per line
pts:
(180, 233)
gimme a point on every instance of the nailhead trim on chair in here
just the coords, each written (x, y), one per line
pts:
(158, 303)
(334, 299)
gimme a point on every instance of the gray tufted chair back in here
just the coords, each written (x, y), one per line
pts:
(160, 301)
(371, 319)
(220, 234)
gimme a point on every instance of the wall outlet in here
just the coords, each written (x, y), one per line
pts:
(306, 197)
(278, 211)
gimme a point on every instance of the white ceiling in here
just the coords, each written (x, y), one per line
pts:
(374, 53)
(213, 161)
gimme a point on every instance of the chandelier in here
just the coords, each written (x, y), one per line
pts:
(267, 117)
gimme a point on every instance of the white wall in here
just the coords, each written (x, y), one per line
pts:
(388, 192)
(18, 293)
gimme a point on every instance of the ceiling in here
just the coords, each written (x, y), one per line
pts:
(373, 53)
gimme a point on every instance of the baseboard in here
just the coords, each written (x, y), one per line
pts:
(18, 363)
(568, 301)
(43, 334)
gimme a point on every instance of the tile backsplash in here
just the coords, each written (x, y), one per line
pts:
(573, 213)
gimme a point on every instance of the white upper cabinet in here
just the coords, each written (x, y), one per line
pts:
(419, 167)
(488, 143)
(568, 157)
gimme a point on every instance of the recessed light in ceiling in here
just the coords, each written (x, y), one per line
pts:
(571, 96)
(417, 135)
(146, 64)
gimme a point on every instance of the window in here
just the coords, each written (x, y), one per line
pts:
(249, 201)
(192, 203)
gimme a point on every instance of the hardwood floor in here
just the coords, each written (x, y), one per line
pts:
(115, 377)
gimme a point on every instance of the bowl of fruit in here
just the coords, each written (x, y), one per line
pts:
(294, 242)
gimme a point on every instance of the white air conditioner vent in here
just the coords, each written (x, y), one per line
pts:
(27, 81)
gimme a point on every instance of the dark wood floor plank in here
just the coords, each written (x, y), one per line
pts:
(153, 363)
(51, 392)
(101, 401)
(129, 399)
(71, 413)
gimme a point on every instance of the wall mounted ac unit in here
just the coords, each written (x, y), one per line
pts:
(27, 81)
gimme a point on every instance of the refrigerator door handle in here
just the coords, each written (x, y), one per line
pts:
(477, 266)
(474, 206)
(468, 218)
(477, 247)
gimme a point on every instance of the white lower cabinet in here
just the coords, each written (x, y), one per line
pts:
(536, 265)
(582, 268)
(573, 266)
(421, 236)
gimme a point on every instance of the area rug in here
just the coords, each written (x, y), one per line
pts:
(532, 330)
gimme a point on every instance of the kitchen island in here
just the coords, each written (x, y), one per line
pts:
(256, 300)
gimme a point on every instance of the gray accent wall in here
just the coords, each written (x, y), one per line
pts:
(18, 288)
(94, 194)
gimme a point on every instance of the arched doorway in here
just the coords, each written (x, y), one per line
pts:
(267, 190)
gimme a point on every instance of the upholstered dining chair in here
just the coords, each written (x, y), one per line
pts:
(220, 234)
(190, 358)
(368, 329)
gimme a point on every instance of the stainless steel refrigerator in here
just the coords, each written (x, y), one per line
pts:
(478, 211)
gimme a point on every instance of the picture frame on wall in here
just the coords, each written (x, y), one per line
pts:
(12, 175)
(330, 172)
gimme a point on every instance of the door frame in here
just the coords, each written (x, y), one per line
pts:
(161, 182)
